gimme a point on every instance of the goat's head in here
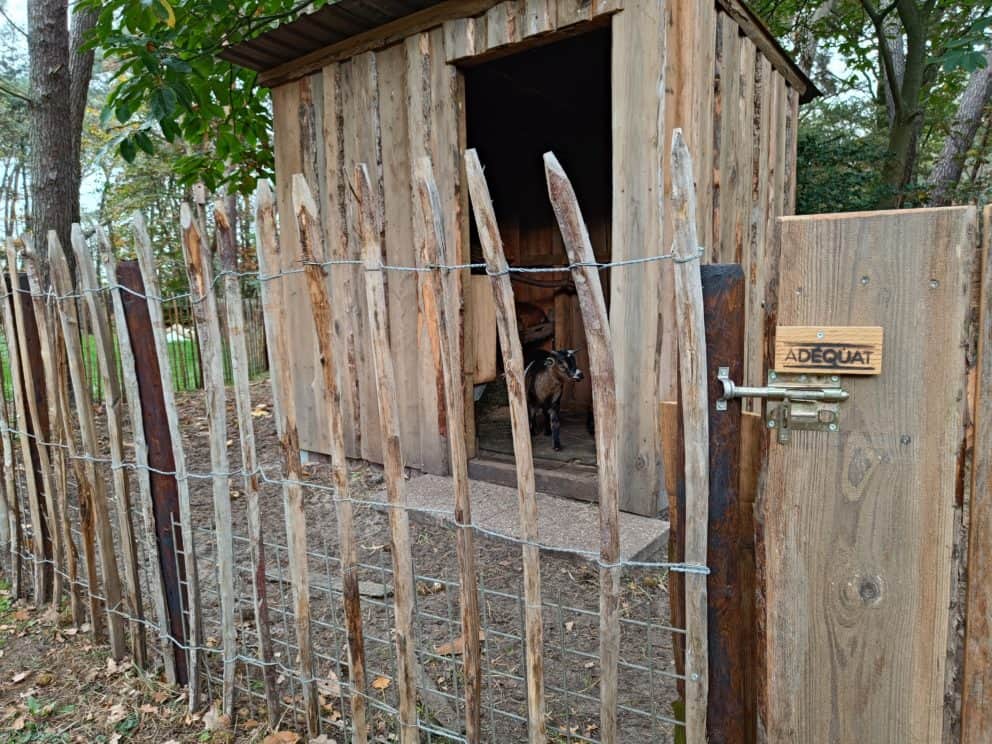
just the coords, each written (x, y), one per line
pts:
(563, 365)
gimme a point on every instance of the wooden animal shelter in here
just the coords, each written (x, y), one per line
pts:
(386, 82)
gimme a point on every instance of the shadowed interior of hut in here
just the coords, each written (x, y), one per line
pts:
(555, 97)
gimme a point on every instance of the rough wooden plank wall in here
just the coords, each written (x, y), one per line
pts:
(635, 305)
(858, 523)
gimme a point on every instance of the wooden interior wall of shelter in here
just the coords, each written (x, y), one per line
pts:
(515, 79)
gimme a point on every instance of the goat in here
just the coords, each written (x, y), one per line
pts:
(544, 379)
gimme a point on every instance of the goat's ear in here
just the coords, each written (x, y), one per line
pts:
(549, 362)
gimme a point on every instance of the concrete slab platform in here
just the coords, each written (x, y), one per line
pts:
(564, 525)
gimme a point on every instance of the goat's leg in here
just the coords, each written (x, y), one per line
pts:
(555, 428)
(532, 412)
(547, 421)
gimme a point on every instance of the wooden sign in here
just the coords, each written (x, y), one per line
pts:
(843, 350)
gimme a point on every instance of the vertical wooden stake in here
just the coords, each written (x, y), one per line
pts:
(403, 580)
(439, 316)
(48, 340)
(240, 373)
(129, 378)
(513, 365)
(976, 698)
(146, 260)
(104, 347)
(284, 409)
(599, 341)
(84, 411)
(307, 222)
(211, 357)
(16, 376)
(731, 715)
(10, 483)
(29, 342)
(694, 387)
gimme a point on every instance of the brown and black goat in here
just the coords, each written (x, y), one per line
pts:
(545, 377)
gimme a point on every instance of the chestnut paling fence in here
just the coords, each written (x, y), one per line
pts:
(329, 609)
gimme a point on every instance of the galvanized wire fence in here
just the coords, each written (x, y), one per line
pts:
(297, 573)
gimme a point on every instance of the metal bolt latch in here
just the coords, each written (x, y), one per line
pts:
(808, 402)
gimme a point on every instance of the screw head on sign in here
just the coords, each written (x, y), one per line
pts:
(934, 284)
(833, 427)
(771, 423)
(820, 334)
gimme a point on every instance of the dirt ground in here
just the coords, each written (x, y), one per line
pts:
(77, 702)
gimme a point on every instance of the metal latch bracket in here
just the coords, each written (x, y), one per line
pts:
(805, 402)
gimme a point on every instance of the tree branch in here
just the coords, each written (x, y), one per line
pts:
(13, 92)
(10, 20)
(877, 18)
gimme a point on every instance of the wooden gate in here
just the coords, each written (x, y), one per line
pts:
(859, 520)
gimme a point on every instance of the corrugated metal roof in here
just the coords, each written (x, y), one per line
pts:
(329, 25)
(343, 19)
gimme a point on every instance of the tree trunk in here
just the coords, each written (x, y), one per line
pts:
(946, 173)
(59, 77)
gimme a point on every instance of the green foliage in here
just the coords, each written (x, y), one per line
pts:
(170, 88)
(838, 161)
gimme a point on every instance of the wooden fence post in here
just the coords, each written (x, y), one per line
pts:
(240, 373)
(10, 486)
(146, 260)
(284, 409)
(694, 392)
(443, 311)
(976, 683)
(84, 411)
(207, 319)
(599, 341)
(730, 709)
(513, 366)
(403, 580)
(36, 395)
(307, 221)
(48, 342)
(104, 349)
(16, 376)
(129, 379)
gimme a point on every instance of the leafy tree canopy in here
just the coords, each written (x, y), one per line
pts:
(169, 87)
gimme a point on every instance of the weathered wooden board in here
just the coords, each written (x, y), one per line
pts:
(976, 684)
(730, 141)
(858, 523)
(401, 286)
(637, 60)
(483, 331)
(845, 350)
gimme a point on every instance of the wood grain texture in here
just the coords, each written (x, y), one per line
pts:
(730, 709)
(441, 285)
(35, 395)
(48, 340)
(501, 289)
(307, 222)
(858, 524)
(112, 402)
(32, 486)
(11, 499)
(399, 249)
(483, 332)
(200, 271)
(730, 143)
(132, 399)
(976, 684)
(284, 410)
(70, 322)
(389, 418)
(599, 343)
(638, 73)
(228, 250)
(847, 350)
(146, 260)
(694, 387)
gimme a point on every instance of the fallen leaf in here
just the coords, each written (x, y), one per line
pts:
(150, 709)
(281, 737)
(214, 720)
(19, 724)
(117, 713)
(569, 625)
(250, 725)
(44, 679)
(22, 615)
(425, 589)
(21, 676)
(455, 647)
(323, 739)
(381, 683)
(329, 687)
